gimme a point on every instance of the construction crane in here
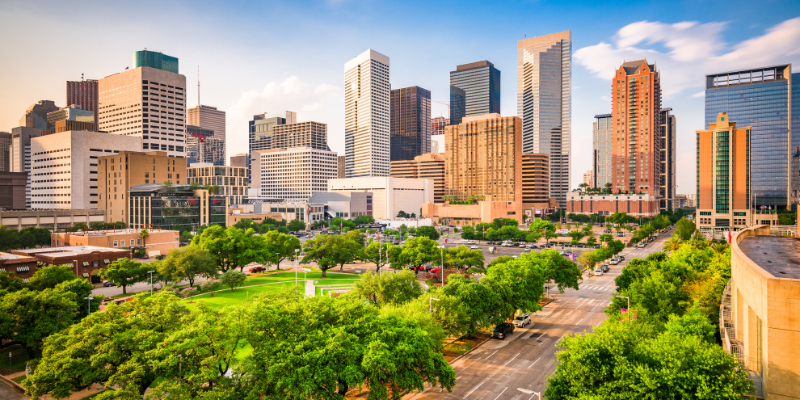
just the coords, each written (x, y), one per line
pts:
(444, 103)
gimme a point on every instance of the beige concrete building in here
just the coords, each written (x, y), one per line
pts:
(483, 211)
(292, 174)
(120, 172)
(158, 241)
(50, 219)
(232, 181)
(340, 167)
(759, 321)
(389, 195)
(239, 212)
(588, 178)
(64, 173)
(367, 115)
(239, 160)
(426, 166)
(301, 134)
(208, 117)
(147, 103)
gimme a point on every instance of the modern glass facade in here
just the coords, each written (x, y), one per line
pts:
(480, 82)
(177, 209)
(603, 138)
(410, 127)
(795, 150)
(153, 59)
(457, 105)
(759, 98)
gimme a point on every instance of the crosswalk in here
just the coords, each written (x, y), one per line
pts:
(599, 287)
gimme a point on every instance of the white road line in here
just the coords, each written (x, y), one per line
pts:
(579, 322)
(512, 359)
(473, 389)
(537, 360)
(559, 339)
(491, 354)
(500, 393)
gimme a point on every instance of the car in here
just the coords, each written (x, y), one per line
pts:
(502, 331)
(621, 257)
(620, 234)
(605, 267)
(257, 269)
(108, 284)
(435, 270)
(522, 320)
(161, 256)
(597, 246)
(474, 247)
(598, 272)
(528, 247)
(470, 242)
(581, 246)
(614, 261)
(489, 242)
(507, 244)
(642, 245)
(145, 256)
(514, 256)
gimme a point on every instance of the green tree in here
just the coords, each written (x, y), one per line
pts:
(10, 282)
(463, 257)
(322, 250)
(187, 263)
(380, 254)
(48, 277)
(124, 272)
(233, 279)
(480, 303)
(419, 251)
(296, 225)
(281, 246)
(364, 220)
(684, 229)
(402, 214)
(232, 247)
(143, 234)
(29, 316)
(428, 231)
(388, 288)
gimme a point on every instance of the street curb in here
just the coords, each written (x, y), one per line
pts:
(470, 350)
(15, 385)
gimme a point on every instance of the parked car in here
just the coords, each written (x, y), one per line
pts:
(435, 270)
(605, 267)
(598, 272)
(502, 331)
(489, 242)
(614, 261)
(108, 284)
(161, 256)
(257, 269)
(528, 247)
(522, 320)
(507, 244)
(514, 256)
(145, 256)
(642, 244)
(620, 234)
(621, 257)
(581, 246)
(470, 242)
(597, 246)
(474, 247)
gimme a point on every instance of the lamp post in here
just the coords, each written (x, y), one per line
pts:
(629, 301)
(295, 267)
(430, 303)
(441, 252)
(151, 282)
(88, 304)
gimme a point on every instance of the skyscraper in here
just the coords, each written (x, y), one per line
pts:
(438, 124)
(366, 121)
(602, 155)
(544, 102)
(154, 59)
(85, 94)
(636, 109)
(669, 129)
(149, 103)
(724, 154)
(480, 82)
(410, 123)
(20, 158)
(208, 117)
(5, 152)
(763, 98)
(36, 115)
(72, 113)
(202, 146)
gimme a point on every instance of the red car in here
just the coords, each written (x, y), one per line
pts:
(257, 269)
(435, 270)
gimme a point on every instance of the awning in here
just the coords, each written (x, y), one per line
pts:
(85, 275)
(85, 263)
(107, 262)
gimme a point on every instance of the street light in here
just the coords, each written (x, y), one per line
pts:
(88, 304)
(430, 303)
(629, 301)
(295, 268)
(441, 251)
(151, 282)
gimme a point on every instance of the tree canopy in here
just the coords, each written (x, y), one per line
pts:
(187, 263)
(124, 272)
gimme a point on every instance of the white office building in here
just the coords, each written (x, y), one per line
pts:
(63, 169)
(367, 115)
(292, 174)
(389, 195)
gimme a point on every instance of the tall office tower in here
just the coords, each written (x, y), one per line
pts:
(425, 166)
(457, 105)
(36, 115)
(366, 115)
(340, 161)
(438, 124)
(292, 174)
(535, 180)
(602, 139)
(544, 102)
(669, 129)
(763, 98)
(239, 160)
(64, 167)
(5, 152)
(119, 172)
(84, 93)
(72, 113)
(410, 123)
(636, 103)
(724, 169)
(208, 117)
(588, 178)
(480, 82)
(154, 59)
(20, 158)
(300, 134)
(149, 103)
(202, 146)
(261, 129)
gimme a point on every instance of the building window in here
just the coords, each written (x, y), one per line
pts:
(115, 243)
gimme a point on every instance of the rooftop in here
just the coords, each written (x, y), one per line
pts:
(67, 251)
(118, 232)
(13, 257)
(779, 256)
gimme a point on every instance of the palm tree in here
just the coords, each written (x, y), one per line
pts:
(718, 248)
(144, 235)
(672, 244)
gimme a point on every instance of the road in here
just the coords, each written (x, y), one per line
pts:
(517, 367)
(8, 392)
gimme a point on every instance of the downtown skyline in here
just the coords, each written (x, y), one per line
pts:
(240, 75)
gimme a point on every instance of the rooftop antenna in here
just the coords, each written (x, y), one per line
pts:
(81, 75)
(198, 85)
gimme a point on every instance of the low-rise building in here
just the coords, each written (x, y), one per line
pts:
(231, 182)
(22, 267)
(239, 212)
(481, 211)
(635, 205)
(177, 207)
(50, 219)
(157, 241)
(389, 195)
(86, 261)
(344, 204)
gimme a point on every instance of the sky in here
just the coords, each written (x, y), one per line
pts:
(268, 56)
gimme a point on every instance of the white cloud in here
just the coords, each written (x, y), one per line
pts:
(701, 93)
(322, 103)
(686, 51)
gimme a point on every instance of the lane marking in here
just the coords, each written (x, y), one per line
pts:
(492, 353)
(537, 360)
(511, 359)
(498, 396)
(473, 389)
(579, 322)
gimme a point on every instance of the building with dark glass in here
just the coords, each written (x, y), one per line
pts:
(668, 148)
(155, 59)
(176, 207)
(85, 93)
(762, 99)
(480, 82)
(410, 126)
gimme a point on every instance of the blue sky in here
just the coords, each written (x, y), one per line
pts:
(270, 56)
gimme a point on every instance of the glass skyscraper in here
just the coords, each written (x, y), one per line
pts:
(154, 59)
(761, 98)
(603, 151)
(410, 127)
(480, 82)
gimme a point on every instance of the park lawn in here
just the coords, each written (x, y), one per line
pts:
(257, 279)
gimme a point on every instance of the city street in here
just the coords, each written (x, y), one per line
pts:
(517, 367)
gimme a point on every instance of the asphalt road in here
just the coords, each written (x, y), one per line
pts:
(7, 392)
(517, 367)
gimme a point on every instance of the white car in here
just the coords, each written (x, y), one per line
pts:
(522, 320)
(598, 272)
(507, 244)
(528, 247)
(473, 247)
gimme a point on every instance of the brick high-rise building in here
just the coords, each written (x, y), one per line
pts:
(723, 174)
(438, 124)
(426, 166)
(84, 93)
(636, 110)
(410, 128)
